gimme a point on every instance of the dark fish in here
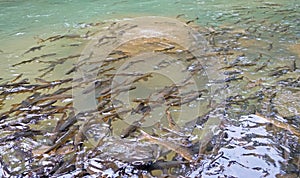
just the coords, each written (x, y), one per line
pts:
(118, 52)
(53, 64)
(142, 108)
(71, 120)
(73, 44)
(160, 165)
(190, 21)
(52, 83)
(143, 77)
(261, 67)
(63, 139)
(18, 135)
(272, 4)
(115, 59)
(128, 28)
(280, 71)
(34, 48)
(130, 129)
(21, 83)
(232, 72)
(33, 59)
(56, 97)
(178, 16)
(94, 86)
(233, 78)
(71, 71)
(105, 70)
(40, 40)
(58, 37)
(124, 89)
(186, 100)
(43, 105)
(17, 77)
(238, 65)
(62, 90)
(102, 41)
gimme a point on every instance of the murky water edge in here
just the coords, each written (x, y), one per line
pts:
(247, 125)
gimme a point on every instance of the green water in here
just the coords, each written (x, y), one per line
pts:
(22, 21)
(268, 34)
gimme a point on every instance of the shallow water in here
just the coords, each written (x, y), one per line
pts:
(257, 41)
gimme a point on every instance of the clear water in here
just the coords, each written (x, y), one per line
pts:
(21, 22)
(276, 22)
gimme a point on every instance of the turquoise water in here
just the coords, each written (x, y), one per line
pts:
(22, 21)
(264, 33)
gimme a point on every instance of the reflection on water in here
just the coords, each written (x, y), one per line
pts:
(246, 120)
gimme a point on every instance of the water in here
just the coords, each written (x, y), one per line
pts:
(258, 40)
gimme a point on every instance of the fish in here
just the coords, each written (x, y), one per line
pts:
(233, 78)
(33, 59)
(101, 40)
(124, 74)
(22, 82)
(130, 129)
(105, 70)
(232, 72)
(186, 100)
(40, 40)
(18, 135)
(238, 65)
(280, 71)
(53, 64)
(58, 37)
(143, 77)
(124, 89)
(142, 108)
(51, 84)
(277, 123)
(63, 139)
(128, 28)
(165, 49)
(133, 62)
(34, 49)
(160, 165)
(118, 52)
(56, 97)
(17, 77)
(178, 16)
(183, 151)
(94, 86)
(73, 69)
(261, 67)
(190, 21)
(111, 59)
(272, 4)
